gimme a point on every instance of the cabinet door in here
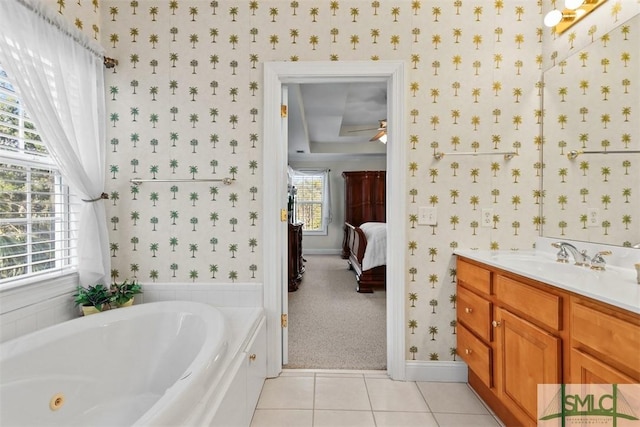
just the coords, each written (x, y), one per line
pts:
(586, 369)
(526, 356)
(365, 196)
(607, 335)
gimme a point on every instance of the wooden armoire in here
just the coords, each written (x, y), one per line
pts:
(365, 200)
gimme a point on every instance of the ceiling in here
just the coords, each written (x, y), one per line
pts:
(335, 119)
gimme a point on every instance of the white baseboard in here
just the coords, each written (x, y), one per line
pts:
(448, 372)
(312, 251)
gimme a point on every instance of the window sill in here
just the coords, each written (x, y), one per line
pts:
(25, 292)
(315, 233)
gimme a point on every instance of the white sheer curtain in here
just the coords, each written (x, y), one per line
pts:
(59, 74)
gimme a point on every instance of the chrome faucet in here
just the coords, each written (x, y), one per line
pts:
(598, 262)
(580, 257)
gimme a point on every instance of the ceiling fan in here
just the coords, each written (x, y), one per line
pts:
(382, 132)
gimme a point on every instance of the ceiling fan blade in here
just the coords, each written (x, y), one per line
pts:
(363, 130)
(381, 127)
(378, 135)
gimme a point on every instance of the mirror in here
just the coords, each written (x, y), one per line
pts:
(591, 104)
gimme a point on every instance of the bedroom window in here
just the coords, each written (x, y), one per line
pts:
(312, 205)
(35, 225)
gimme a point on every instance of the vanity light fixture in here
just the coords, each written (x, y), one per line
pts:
(574, 11)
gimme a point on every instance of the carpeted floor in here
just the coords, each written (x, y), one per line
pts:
(331, 326)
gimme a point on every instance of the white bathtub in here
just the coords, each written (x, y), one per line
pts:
(149, 364)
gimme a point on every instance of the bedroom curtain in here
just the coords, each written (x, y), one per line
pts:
(59, 73)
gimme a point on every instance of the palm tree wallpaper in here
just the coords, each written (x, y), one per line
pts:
(589, 106)
(185, 102)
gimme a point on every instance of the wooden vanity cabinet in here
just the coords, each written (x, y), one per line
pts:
(605, 344)
(515, 333)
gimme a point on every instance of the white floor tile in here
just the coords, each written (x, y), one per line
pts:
(296, 373)
(404, 419)
(334, 398)
(325, 418)
(347, 374)
(341, 393)
(287, 393)
(282, 418)
(465, 420)
(389, 395)
(456, 398)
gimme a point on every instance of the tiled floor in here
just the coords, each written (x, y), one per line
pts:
(299, 398)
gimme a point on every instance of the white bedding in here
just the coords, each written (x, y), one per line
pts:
(376, 252)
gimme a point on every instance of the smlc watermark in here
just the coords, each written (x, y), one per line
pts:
(615, 405)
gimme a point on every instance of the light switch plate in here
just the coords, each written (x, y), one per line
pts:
(427, 215)
(593, 217)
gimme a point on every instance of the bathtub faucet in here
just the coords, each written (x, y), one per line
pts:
(580, 257)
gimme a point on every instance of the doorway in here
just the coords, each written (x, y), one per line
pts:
(275, 168)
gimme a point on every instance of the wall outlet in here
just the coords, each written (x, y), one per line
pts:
(593, 217)
(427, 215)
(487, 217)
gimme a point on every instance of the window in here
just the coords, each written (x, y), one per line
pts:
(312, 200)
(35, 225)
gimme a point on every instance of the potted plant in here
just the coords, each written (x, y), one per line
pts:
(92, 299)
(122, 294)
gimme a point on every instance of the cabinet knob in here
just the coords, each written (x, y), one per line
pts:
(468, 351)
(468, 310)
(252, 357)
(495, 323)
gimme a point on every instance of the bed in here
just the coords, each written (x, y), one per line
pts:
(367, 254)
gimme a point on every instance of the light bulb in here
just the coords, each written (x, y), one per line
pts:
(573, 4)
(383, 138)
(553, 18)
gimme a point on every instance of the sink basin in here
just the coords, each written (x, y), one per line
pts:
(546, 266)
(521, 257)
(542, 264)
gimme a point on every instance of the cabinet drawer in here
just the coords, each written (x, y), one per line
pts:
(612, 337)
(476, 354)
(474, 312)
(543, 308)
(474, 277)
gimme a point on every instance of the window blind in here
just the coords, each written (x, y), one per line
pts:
(37, 232)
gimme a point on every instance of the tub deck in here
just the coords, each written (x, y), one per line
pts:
(242, 323)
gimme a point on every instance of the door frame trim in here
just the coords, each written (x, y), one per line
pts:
(274, 197)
